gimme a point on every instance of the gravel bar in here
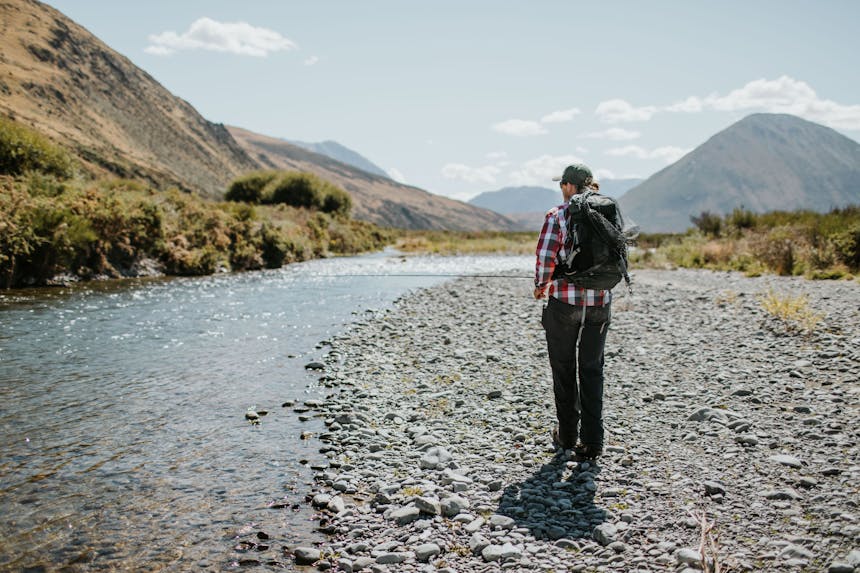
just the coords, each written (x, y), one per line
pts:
(732, 435)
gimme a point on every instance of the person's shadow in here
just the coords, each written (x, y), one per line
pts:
(555, 502)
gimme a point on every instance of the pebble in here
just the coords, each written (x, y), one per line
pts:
(444, 453)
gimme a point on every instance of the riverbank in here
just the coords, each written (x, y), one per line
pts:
(724, 424)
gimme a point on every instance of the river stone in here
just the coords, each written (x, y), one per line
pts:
(428, 505)
(404, 515)
(321, 500)
(687, 556)
(478, 542)
(714, 488)
(394, 557)
(362, 563)
(604, 533)
(501, 521)
(314, 366)
(786, 460)
(500, 552)
(782, 494)
(793, 551)
(706, 414)
(306, 555)
(453, 505)
(435, 458)
(474, 525)
(336, 505)
(427, 550)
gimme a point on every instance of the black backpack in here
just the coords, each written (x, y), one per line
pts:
(596, 244)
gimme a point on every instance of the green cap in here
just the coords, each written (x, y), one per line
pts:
(578, 173)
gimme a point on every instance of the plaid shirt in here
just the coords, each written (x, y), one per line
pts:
(550, 248)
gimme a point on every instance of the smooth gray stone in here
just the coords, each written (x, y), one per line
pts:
(793, 551)
(427, 550)
(453, 505)
(428, 505)
(687, 556)
(714, 488)
(478, 542)
(604, 533)
(306, 555)
(391, 558)
(474, 525)
(404, 515)
(782, 494)
(786, 460)
(502, 521)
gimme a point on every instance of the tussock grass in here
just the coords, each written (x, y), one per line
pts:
(792, 312)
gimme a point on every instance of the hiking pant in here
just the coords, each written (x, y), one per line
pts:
(575, 336)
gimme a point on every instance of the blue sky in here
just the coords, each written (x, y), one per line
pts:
(459, 97)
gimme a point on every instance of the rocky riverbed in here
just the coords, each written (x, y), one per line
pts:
(732, 435)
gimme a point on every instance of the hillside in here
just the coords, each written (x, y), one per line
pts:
(343, 154)
(59, 79)
(67, 84)
(376, 199)
(764, 162)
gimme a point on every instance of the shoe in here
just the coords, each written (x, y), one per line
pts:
(588, 452)
(556, 441)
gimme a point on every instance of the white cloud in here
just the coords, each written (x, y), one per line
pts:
(619, 110)
(782, 95)
(496, 155)
(311, 61)
(396, 174)
(519, 127)
(614, 134)
(668, 153)
(541, 170)
(561, 116)
(233, 37)
(603, 174)
(486, 174)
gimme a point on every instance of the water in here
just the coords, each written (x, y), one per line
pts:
(122, 431)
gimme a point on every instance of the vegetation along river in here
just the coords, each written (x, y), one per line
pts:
(122, 408)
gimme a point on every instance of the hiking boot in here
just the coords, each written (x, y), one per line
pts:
(587, 452)
(556, 441)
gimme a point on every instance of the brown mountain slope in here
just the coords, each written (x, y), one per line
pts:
(376, 199)
(60, 79)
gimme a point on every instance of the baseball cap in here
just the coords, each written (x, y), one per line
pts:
(577, 174)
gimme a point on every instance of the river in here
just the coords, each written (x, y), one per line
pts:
(122, 409)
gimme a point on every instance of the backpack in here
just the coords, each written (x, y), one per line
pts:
(596, 246)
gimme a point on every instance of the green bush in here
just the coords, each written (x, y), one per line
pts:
(293, 188)
(24, 150)
(708, 223)
(249, 188)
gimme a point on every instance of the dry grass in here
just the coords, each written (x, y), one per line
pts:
(792, 311)
(467, 243)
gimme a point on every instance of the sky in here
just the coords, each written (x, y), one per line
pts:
(459, 97)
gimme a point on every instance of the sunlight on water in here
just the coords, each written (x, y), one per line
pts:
(122, 407)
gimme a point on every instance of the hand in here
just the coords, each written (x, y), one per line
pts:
(540, 292)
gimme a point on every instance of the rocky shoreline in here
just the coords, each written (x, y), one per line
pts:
(732, 438)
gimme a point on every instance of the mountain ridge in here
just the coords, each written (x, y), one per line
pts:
(764, 162)
(343, 154)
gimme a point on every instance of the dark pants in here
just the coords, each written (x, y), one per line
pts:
(576, 356)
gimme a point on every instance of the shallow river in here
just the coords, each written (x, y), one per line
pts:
(122, 409)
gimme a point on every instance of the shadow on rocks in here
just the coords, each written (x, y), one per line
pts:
(556, 502)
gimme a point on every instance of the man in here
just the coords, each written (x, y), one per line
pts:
(575, 321)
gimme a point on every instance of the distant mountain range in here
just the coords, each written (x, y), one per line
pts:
(58, 78)
(343, 154)
(527, 205)
(764, 162)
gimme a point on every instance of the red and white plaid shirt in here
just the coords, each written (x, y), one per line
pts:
(550, 249)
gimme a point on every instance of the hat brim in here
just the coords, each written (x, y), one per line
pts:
(557, 178)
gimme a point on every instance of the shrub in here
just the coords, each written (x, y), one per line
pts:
(708, 223)
(847, 247)
(293, 188)
(249, 188)
(24, 150)
(741, 218)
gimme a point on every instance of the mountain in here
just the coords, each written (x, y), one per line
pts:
(59, 79)
(764, 162)
(343, 154)
(526, 206)
(376, 199)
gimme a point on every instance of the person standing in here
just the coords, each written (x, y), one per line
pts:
(575, 321)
